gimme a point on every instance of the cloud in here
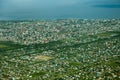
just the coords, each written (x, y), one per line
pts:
(108, 6)
(44, 8)
(17, 5)
(39, 2)
(32, 7)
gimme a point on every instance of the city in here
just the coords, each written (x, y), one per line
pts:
(61, 49)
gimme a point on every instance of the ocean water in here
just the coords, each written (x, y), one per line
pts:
(37, 9)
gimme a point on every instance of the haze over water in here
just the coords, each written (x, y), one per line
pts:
(57, 9)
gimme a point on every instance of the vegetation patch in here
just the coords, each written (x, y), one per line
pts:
(3, 46)
(75, 63)
(37, 74)
(42, 57)
(8, 45)
(108, 34)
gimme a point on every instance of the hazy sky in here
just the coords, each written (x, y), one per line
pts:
(40, 9)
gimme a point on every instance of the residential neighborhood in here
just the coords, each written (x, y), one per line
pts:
(60, 49)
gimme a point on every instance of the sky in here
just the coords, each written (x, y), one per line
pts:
(50, 9)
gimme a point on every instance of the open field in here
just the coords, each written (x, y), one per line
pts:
(70, 49)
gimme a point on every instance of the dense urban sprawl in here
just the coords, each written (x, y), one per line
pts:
(66, 49)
